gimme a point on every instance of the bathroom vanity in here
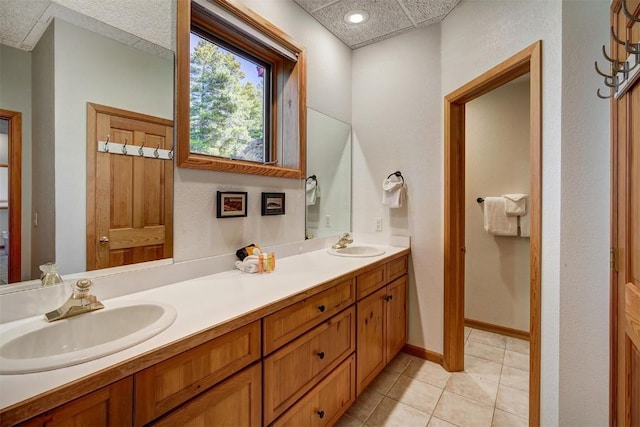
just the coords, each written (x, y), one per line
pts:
(294, 347)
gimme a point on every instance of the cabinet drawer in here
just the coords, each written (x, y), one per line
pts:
(324, 405)
(397, 268)
(370, 281)
(234, 402)
(296, 368)
(288, 323)
(168, 384)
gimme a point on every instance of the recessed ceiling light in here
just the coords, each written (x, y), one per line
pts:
(356, 17)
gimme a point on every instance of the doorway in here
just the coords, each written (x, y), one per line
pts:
(526, 61)
(11, 203)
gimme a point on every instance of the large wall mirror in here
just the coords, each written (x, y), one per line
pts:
(328, 183)
(72, 62)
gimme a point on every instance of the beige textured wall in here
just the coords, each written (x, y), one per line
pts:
(497, 153)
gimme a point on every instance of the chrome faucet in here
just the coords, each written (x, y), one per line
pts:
(80, 301)
(344, 240)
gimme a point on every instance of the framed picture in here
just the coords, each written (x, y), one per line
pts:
(231, 204)
(272, 203)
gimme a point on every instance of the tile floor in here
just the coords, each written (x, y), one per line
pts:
(493, 390)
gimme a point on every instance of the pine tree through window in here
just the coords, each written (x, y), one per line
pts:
(229, 101)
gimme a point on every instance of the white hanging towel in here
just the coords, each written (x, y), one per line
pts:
(495, 220)
(393, 192)
(313, 191)
(525, 225)
(515, 204)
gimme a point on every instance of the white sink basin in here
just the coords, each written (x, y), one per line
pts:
(41, 346)
(357, 251)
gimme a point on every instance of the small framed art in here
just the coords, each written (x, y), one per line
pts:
(231, 204)
(272, 203)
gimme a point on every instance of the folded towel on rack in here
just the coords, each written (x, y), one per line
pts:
(515, 204)
(313, 191)
(393, 191)
(495, 220)
(525, 225)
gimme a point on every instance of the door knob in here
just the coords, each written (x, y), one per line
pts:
(104, 239)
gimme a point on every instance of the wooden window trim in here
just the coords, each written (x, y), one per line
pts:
(187, 159)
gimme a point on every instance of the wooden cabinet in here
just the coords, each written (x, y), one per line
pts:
(324, 405)
(302, 365)
(108, 406)
(382, 330)
(295, 368)
(168, 384)
(234, 402)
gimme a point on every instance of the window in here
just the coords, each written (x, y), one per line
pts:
(230, 101)
(241, 92)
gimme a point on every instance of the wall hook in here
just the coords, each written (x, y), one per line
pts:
(141, 149)
(124, 147)
(155, 152)
(628, 14)
(106, 145)
(614, 62)
(615, 37)
(603, 97)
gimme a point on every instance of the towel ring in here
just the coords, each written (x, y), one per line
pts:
(398, 174)
(313, 177)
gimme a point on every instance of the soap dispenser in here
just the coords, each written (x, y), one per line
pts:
(50, 274)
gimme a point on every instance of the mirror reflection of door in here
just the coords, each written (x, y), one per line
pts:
(129, 198)
(10, 196)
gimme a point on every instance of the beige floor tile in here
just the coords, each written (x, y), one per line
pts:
(484, 351)
(516, 360)
(391, 413)
(399, 363)
(515, 344)
(472, 387)
(463, 412)
(437, 422)
(514, 401)
(415, 393)
(482, 368)
(364, 405)
(347, 421)
(516, 378)
(467, 332)
(427, 372)
(384, 381)
(505, 419)
(488, 338)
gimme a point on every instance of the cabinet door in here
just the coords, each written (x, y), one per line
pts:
(234, 402)
(109, 406)
(324, 405)
(168, 384)
(396, 317)
(370, 347)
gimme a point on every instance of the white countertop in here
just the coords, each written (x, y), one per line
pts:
(201, 303)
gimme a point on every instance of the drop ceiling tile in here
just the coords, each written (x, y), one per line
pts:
(385, 17)
(313, 5)
(13, 15)
(423, 12)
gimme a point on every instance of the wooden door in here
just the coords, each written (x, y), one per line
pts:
(129, 198)
(109, 406)
(235, 402)
(396, 317)
(370, 338)
(625, 275)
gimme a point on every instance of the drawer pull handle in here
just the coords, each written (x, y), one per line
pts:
(321, 356)
(388, 298)
(320, 414)
(321, 308)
